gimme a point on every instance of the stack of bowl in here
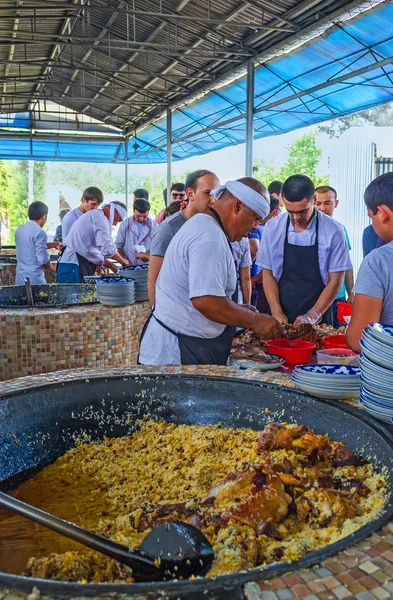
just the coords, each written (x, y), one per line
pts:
(328, 381)
(376, 364)
(115, 291)
(139, 275)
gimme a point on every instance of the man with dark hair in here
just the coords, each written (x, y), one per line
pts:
(373, 289)
(198, 187)
(178, 193)
(325, 200)
(59, 229)
(274, 189)
(140, 193)
(92, 197)
(305, 256)
(89, 244)
(32, 246)
(196, 314)
(133, 238)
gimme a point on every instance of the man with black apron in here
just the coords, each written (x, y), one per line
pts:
(89, 244)
(305, 256)
(196, 315)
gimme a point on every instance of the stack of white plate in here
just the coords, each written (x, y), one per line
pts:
(376, 365)
(328, 381)
(139, 275)
(115, 291)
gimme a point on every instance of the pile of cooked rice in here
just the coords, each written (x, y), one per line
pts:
(259, 497)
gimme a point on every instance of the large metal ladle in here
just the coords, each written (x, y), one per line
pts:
(170, 551)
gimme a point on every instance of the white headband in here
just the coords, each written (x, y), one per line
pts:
(245, 194)
(113, 206)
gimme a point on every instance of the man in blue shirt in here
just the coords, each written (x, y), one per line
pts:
(326, 201)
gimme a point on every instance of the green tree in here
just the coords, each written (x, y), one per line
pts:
(379, 116)
(302, 156)
(39, 180)
(7, 192)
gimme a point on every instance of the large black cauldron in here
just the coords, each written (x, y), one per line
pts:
(111, 406)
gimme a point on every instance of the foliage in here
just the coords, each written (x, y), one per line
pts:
(7, 192)
(303, 156)
(39, 180)
(379, 116)
(83, 175)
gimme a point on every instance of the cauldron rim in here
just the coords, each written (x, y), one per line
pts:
(194, 588)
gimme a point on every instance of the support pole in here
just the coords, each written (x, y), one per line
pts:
(250, 118)
(126, 170)
(168, 154)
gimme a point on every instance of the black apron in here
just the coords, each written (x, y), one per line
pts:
(202, 351)
(86, 267)
(301, 283)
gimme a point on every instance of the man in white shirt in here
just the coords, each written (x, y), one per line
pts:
(199, 185)
(92, 197)
(243, 262)
(305, 257)
(196, 314)
(32, 246)
(136, 231)
(89, 244)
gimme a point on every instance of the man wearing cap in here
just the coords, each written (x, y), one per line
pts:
(196, 314)
(304, 258)
(89, 244)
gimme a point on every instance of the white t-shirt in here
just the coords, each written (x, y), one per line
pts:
(242, 257)
(31, 253)
(333, 252)
(198, 262)
(69, 219)
(91, 237)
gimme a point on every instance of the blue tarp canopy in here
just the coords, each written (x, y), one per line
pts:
(346, 69)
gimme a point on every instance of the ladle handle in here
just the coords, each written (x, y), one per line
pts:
(29, 292)
(140, 562)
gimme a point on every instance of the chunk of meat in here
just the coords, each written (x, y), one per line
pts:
(278, 437)
(269, 530)
(251, 496)
(310, 442)
(341, 456)
(321, 508)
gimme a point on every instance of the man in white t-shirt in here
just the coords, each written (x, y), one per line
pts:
(92, 197)
(196, 314)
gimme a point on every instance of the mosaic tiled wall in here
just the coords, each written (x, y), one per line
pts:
(8, 274)
(34, 341)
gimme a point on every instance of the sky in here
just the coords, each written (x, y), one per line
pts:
(229, 163)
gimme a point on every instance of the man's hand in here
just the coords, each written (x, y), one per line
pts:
(351, 297)
(101, 270)
(310, 318)
(55, 246)
(126, 262)
(266, 327)
(113, 267)
(281, 318)
(144, 257)
(249, 307)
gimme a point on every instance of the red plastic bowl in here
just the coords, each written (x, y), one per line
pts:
(295, 352)
(344, 310)
(335, 341)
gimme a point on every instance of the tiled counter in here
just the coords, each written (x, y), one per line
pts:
(363, 571)
(8, 275)
(40, 340)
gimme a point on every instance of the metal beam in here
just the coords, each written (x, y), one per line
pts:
(168, 155)
(49, 9)
(199, 42)
(250, 118)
